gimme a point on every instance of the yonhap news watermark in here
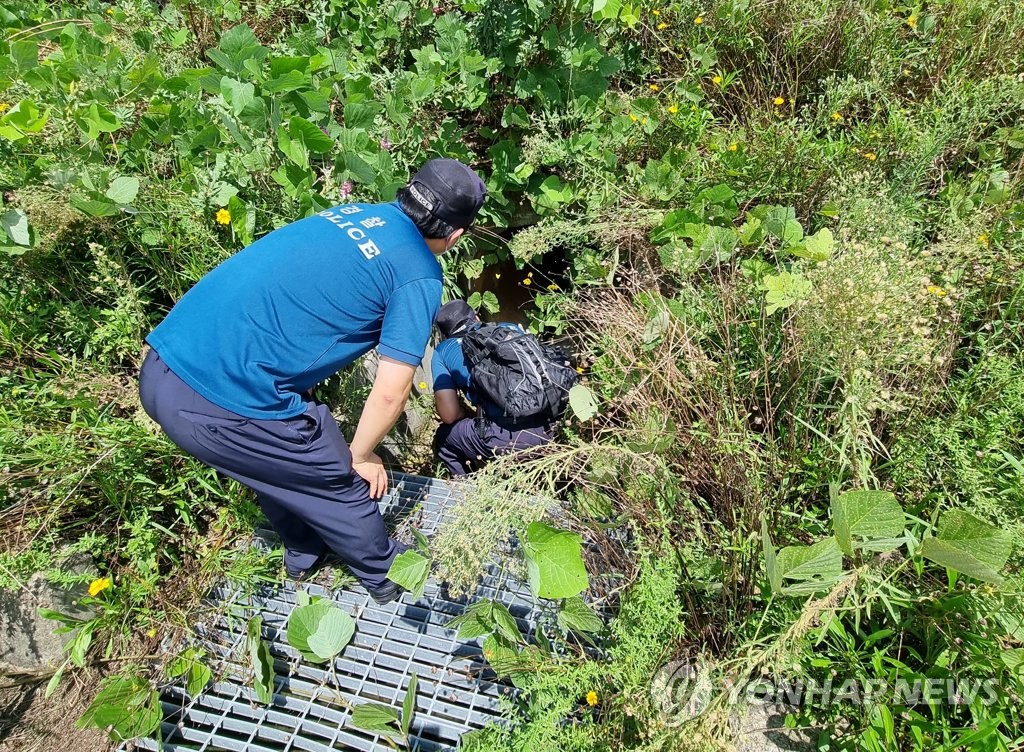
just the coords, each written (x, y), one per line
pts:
(684, 689)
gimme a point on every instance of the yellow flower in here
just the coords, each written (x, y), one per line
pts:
(653, 87)
(698, 20)
(110, 11)
(553, 287)
(4, 106)
(223, 217)
(579, 370)
(98, 586)
(779, 101)
(423, 385)
(655, 12)
(912, 22)
(633, 117)
(591, 698)
(527, 281)
(673, 109)
(734, 146)
(836, 116)
(870, 156)
(936, 291)
(716, 79)
(662, 26)
(497, 276)
(983, 239)
(151, 632)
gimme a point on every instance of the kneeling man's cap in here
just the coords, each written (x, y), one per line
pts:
(455, 318)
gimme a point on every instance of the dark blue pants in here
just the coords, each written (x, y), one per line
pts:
(300, 469)
(469, 444)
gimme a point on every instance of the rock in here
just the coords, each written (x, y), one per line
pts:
(28, 642)
(761, 728)
(414, 429)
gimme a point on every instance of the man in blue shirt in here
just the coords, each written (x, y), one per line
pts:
(232, 365)
(466, 443)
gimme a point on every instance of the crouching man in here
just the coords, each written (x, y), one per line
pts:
(517, 387)
(231, 366)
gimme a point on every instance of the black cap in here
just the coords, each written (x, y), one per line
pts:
(455, 318)
(454, 192)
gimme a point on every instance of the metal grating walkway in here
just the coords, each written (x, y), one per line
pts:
(456, 692)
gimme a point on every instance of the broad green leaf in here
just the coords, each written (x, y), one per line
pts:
(657, 325)
(783, 290)
(260, 661)
(504, 622)
(866, 514)
(96, 119)
(410, 569)
(554, 562)
(95, 207)
(360, 114)
(476, 621)
(22, 119)
(126, 705)
(969, 545)
(583, 402)
(333, 633)
(377, 719)
(577, 616)
(816, 247)
(606, 10)
(15, 224)
(770, 563)
(189, 664)
(823, 560)
(501, 654)
(711, 242)
(1013, 659)
(409, 703)
(314, 139)
(781, 222)
(25, 55)
(123, 190)
(303, 624)
(716, 194)
(553, 193)
(751, 232)
(237, 94)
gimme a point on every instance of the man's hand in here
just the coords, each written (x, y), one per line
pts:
(372, 471)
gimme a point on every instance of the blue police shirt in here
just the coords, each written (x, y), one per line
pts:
(449, 369)
(300, 304)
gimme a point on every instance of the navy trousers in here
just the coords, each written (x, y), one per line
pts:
(469, 444)
(300, 469)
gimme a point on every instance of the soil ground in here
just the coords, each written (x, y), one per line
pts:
(30, 723)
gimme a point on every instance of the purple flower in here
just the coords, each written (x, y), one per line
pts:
(346, 189)
(385, 144)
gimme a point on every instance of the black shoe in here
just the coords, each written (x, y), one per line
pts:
(303, 575)
(386, 593)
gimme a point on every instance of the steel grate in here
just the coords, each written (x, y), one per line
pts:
(457, 693)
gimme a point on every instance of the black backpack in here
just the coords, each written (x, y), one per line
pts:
(515, 375)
